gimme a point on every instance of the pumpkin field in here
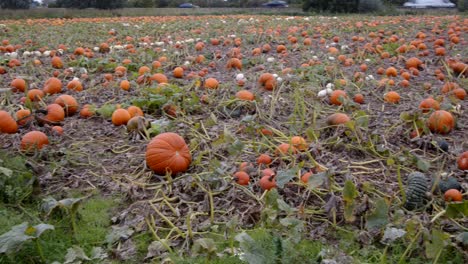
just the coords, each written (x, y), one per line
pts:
(234, 139)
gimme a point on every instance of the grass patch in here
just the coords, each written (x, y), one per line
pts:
(93, 225)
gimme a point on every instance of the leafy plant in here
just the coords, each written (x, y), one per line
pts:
(16, 180)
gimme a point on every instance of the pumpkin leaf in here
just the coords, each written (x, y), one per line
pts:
(379, 217)
(204, 245)
(75, 254)
(391, 234)
(285, 176)
(12, 240)
(118, 233)
(5, 171)
(317, 180)
(457, 210)
(423, 164)
(253, 252)
(362, 119)
(437, 243)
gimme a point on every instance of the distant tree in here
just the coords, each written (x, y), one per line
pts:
(161, 3)
(15, 4)
(109, 4)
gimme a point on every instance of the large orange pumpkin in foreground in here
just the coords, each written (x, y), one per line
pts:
(168, 152)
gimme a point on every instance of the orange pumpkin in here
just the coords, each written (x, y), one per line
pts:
(453, 195)
(35, 95)
(135, 111)
(337, 119)
(299, 143)
(120, 117)
(178, 72)
(53, 86)
(125, 85)
(211, 83)
(18, 84)
(57, 62)
(337, 97)
(242, 178)
(87, 111)
(69, 104)
(245, 95)
(34, 140)
(7, 123)
(441, 122)
(55, 113)
(264, 159)
(168, 153)
(23, 116)
(75, 85)
(429, 103)
(392, 97)
(462, 161)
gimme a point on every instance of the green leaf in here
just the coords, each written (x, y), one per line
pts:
(423, 164)
(349, 191)
(271, 198)
(12, 240)
(98, 253)
(379, 217)
(75, 254)
(390, 162)
(5, 171)
(349, 212)
(204, 245)
(362, 119)
(253, 253)
(41, 228)
(457, 210)
(437, 243)
(119, 232)
(317, 180)
(283, 206)
(284, 176)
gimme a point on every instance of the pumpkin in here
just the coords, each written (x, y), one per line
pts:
(268, 81)
(462, 161)
(337, 119)
(449, 86)
(453, 195)
(120, 117)
(23, 116)
(75, 85)
(35, 95)
(178, 72)
(120, 71)
(267, 182)
(18, 84)
(359, 98)
(143, 70)
(53, 86)
(135, 111)
(7, 123)
(413, 63)
(168, 153)
(242, 178)
(337, 97)
(285, 148)
(391, 72)
(58, 130)
(299, 143)
(87, 111)
(429, 103)
(211, 83)
(159, 78)
(441, 122)
(234, 63)
(305, 177)
(55, 113)
(245, 95)
(69, 104)
(392, 97)
(416, 191)
(264, 159)
(125, 85)
(34, 140)
(57, 62)
(460, 93)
